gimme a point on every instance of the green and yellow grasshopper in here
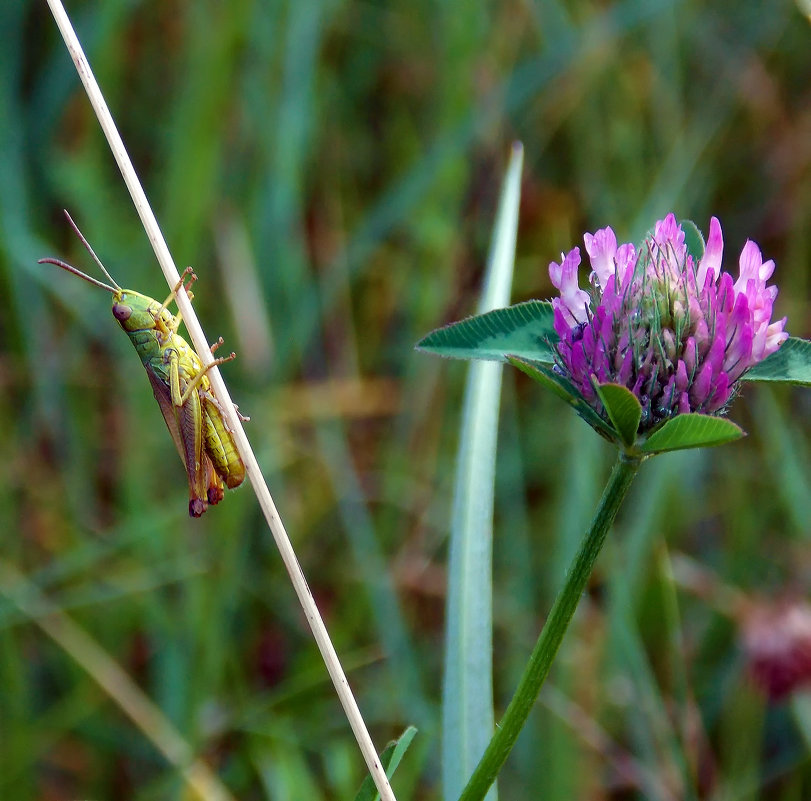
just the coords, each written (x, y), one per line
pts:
(180, 384)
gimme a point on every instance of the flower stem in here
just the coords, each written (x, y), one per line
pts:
(552, 633)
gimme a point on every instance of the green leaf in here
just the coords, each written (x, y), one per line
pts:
(566, 391)
(520, 330)
(692, 431)
(693, 239)
(623, 408)
(789, 364)
(389, 759)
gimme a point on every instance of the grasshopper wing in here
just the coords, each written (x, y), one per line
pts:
(185, 426)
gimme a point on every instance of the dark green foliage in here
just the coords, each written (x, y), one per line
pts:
(524, 331)
(622, 408)
(691, 431)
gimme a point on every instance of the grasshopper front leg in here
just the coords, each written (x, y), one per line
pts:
(178, 397)
(189, 271)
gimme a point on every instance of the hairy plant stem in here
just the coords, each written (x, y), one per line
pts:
(560, 616)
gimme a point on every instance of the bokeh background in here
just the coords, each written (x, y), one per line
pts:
(331, 169)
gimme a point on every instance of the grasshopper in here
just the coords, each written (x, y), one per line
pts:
(180, 384)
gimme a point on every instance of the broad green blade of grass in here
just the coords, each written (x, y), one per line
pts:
(467, 703)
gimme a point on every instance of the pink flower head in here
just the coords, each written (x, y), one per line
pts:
(677, 333)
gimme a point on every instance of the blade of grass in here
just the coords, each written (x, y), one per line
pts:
(233, 422)
(467, 702)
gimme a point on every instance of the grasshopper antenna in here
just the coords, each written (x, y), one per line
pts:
(71, 269)
(89, 249)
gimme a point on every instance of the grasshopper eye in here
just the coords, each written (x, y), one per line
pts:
(121, 312)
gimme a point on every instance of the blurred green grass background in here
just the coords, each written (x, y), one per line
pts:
(331, 169)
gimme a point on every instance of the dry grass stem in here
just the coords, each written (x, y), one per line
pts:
(201, 346)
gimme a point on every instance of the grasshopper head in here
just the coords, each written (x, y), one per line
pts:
(134, 311)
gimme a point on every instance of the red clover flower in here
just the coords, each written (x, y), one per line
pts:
(777, 646)
(676, 331)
